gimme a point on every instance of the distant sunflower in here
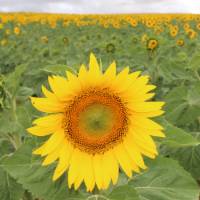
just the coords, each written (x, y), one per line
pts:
(180, 42)
(17, 30)
(152, 44)
(97, 123)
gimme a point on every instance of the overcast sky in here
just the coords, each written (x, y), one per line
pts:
(101, 6)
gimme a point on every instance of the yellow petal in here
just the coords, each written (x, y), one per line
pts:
(47, 105)
(127, 81)
(53, 156)
(82, 71)
(133, 151)
(74, 82)
(80, 173)
(74, 168)
(93, 65)
(54, 140)
(144, 142)
(157, 133)
(89, 178)
(149, 114)
(40, 131)
(144, 122)
(121, 76)
(110, 73)
(139, 85)
(53, 121)
(49, 94)
(136, 98)
(97, 164)
(146, 106)
(146, 89)
(112, 164)
(83, 76)
(146, 131)
(64, 160)
(94, 73)
(71, 76)
(123, 159)
(60, 87)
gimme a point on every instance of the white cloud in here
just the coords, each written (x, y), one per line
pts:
(101, 6)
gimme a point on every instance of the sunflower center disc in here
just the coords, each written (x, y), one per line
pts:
(95, 121)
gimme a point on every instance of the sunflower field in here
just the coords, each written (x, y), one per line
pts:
(38, 49)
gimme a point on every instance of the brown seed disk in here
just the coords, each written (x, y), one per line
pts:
(78, 136)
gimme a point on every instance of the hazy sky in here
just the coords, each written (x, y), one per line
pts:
(101, 6)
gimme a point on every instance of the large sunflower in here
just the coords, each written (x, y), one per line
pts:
(97, 122)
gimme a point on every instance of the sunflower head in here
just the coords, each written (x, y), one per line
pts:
(180, 42)
(152, 44)
(44, 39)
(4, 42)
(198, 26)
(173, 32)
(1, 26)
(191, 33)
(97, 122)
(17, 30)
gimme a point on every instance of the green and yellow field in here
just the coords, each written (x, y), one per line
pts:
(166, 47)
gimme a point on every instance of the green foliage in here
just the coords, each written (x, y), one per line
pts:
(26, 62)
(9, 188)
(164, 179)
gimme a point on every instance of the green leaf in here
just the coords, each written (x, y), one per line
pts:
(195, 61)
(165, 180)
(124, 192)
(5, 147)
(27, 170)
(23, 93)
(13, 79)
(182, 146)
(177, 137)
(9, 188)
(183, 104)
(57, 69)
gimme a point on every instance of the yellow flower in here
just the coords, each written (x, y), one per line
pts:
(17, 30)
(158, 30)
(152, 44)
(4, 42)
(191, 33)
(198, 26)
(144, 38)
(173, 32)
(180, 42)
(97, 124)
(53, 24)
(116, 24)
(150, 23)
(1, 26)
(186, 26)
(133, 22)
(7, 32)
(44, 39)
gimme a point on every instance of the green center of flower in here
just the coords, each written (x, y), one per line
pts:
(96, 119)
